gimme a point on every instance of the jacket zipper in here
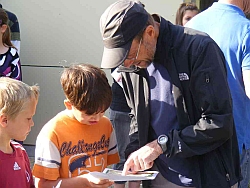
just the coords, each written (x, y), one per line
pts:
(207, 80)
(227, 174)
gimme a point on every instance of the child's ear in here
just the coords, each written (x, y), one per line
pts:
(67, 104)
(3, 28)
(3, 120)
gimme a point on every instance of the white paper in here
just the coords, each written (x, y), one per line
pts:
(116, 175)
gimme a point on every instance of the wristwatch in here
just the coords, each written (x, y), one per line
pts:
(162, 141)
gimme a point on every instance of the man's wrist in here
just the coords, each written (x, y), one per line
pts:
(158, 149)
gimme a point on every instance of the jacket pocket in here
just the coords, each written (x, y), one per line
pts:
(214, 172)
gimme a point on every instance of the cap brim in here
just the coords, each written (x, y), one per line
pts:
(113, 57)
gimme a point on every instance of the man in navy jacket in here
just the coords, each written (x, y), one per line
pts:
(175, 83)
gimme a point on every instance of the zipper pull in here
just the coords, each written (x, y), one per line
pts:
(228, 177)
(207, 79)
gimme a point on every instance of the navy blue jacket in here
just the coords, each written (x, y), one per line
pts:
(205, 142)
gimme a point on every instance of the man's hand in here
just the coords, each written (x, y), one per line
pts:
(143, 158)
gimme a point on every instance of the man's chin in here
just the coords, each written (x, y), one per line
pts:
(144, 64)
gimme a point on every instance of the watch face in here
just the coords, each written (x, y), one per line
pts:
(163, 139)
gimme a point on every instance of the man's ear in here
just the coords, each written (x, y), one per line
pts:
(67, 104)
(150, 31)
(3, 120)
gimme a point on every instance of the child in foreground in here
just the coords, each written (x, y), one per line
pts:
(79, 139)
(17, 107)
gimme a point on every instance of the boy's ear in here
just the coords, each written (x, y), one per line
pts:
(3, 120)
(67, 104)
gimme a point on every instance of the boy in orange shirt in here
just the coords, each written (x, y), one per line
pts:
(79, 139)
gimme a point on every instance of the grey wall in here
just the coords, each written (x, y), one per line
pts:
(57, 33)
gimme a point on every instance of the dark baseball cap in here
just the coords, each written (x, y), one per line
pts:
(119, 24)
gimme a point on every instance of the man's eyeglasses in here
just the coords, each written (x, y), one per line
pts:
(137, 53)
(131, 68)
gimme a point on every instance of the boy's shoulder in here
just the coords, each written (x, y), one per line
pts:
(62, 122)
(55, 121)
(105, 121)
(19, 150)
(17, 145)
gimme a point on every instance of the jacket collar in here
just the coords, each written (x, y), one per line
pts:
(164, 41)
(164, 51)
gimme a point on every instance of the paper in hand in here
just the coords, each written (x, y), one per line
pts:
(116, 175)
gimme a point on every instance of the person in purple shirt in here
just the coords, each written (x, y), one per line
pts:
(9, 59)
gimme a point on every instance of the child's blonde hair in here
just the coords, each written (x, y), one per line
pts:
(14, 95)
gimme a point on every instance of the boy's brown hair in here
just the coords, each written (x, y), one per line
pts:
(87, 88)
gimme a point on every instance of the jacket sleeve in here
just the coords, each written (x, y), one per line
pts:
(133, 144)
(212, 100)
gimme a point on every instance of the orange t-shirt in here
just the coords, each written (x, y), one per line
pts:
(66, 148)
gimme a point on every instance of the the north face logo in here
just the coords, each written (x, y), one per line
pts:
(16, 166)
(183, 76)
